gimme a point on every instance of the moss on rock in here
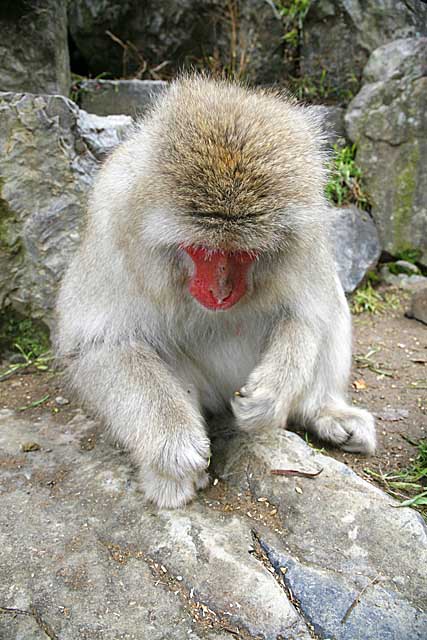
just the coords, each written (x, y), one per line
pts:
(405, 192)
(9, 236)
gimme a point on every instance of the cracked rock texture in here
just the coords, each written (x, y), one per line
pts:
(49, 154)
(84, 558)
(388, 121)
(339, 35)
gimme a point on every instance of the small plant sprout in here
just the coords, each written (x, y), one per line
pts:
(369, 300)
(345, 185)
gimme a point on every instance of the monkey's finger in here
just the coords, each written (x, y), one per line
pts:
(242, 393)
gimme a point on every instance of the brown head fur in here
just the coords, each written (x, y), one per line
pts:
(224, 150)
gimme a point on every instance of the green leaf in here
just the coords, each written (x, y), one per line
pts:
(418, 500)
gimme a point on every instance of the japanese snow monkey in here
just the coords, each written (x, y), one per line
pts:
(205, 270)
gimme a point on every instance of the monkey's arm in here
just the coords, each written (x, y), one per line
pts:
(304, 372)
(150, 413)
(284, 373)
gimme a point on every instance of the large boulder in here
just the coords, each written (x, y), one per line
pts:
(49, 153)
(339, 35)
(117, 97)
(388, 122)
(34, 47)
(256, 556)
(237, 36)
(357, 245)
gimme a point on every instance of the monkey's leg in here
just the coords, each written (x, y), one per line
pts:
(276, 384)
(323, 408)
(151, 414)
(302, 378)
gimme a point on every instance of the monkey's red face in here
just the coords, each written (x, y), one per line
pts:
(220, 277)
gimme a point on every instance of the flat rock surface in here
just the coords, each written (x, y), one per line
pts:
(118, 97)
(256, 556)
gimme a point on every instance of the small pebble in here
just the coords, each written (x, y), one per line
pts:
(61, 401)
(30, 446)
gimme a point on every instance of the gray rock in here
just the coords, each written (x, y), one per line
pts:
(392, 414)
(315, 588)
(402, 280)
(418, 308)
(82, 551)
(83, 557)
(343, 536)
(116, 97)
(339, 35)
(102, 133)
(49, 152)
(407, 267)
(357, 246)
(403, 57)
(244, 36)
(33, 47)
(388, 121)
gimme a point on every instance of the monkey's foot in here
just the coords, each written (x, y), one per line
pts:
(256, 408)
(171, 493)
(350, 428)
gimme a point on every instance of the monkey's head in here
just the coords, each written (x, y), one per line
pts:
(234, 176)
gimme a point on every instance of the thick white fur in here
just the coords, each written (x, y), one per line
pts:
(150, 360)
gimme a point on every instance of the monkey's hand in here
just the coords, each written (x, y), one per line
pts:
(176, 466)
(279, 379)
(151, 414)
(259, 405)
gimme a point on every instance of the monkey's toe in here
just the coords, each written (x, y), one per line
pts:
(185, 453)
(255, 411)
(166, 493)
(202, 480)
(350, 428)
(362, 438)
(171, 493)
